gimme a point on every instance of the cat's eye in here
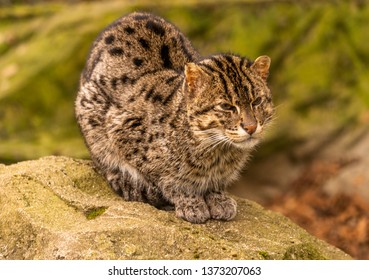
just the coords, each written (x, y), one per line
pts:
(228, 107)
(257, 101)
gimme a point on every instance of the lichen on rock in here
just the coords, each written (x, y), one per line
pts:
(61, 208)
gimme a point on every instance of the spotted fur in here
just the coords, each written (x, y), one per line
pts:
(166, 126)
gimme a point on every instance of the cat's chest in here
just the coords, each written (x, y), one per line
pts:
(216, 165)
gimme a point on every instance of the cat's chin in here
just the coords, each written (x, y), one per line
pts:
(248, 143)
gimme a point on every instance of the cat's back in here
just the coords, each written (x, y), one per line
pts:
(136, 44)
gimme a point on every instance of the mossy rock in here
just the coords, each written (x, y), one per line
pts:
(60, 208)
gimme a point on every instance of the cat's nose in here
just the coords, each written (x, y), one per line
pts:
(250, 129)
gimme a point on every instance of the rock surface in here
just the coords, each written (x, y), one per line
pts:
(60, 208)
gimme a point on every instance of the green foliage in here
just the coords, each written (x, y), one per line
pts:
(318, 76)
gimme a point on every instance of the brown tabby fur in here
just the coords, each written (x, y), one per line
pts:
(166, 126)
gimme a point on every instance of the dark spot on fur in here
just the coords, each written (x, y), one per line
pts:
(121, 140)
(83, 101)
(143, 131)
(144, 158)
(93, 122)
(94, 98)
(173, 125)
(129, 30)
(116, 51)
(163, 118)
(164, 54)
(172, 93)
(127, 80)
(157, 28)
(137, 61)
(149, 94)
(109, 39)
(204, 110)
(151, 138)
(133, 122)
(107, 105)
(102, 81)
(144, 43)
(114, 83)
(171, 79)
(124, 79)
(157, 98)
(143, 89)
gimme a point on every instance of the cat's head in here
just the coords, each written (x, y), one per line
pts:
(228, 100)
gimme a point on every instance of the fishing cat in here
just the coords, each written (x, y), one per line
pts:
(165, 125)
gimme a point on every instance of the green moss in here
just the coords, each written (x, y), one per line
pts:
(95, 212)
(265, 255)
(304, 251)
(196, 256)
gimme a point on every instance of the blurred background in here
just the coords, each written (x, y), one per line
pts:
(313, 164)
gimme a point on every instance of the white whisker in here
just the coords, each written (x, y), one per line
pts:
(211, 139)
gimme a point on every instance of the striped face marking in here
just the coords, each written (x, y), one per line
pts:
(230, 98)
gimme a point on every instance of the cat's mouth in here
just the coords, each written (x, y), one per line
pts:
(222, 138)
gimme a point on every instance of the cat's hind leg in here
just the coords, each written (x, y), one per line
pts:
(125, 185)
(132, 188)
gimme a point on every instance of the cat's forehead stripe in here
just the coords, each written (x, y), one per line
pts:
(238, 79)
(234, 77)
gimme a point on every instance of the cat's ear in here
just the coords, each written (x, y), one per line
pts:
(195, 77)
(261, 66)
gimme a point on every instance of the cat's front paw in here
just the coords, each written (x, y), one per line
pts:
(221, 207)
(194, 211)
